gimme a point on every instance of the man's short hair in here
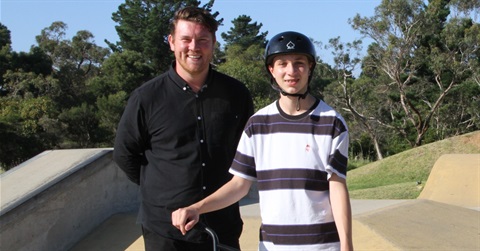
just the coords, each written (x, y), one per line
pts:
(197, 15)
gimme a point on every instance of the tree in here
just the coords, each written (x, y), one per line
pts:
(244, 58)
(121, 73)
(110, 109)
(25, 128)
(248, 67)
(244, 33)
(82, 127)
(466, 6)
(346, 60)
(5, 38)
(5, 55)
(73, 62)
(414, 48)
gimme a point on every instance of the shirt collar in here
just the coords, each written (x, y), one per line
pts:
(183, 85)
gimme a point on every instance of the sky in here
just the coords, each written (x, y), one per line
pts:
(318, 19)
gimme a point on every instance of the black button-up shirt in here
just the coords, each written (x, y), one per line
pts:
(178, 146)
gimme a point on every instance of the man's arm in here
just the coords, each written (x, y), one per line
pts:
(185, 218)
(128, 151)
(129, 164)
(342, 211)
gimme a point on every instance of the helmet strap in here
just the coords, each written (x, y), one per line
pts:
(284, 93)
(300, 96)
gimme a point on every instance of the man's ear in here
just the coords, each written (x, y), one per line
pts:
(170, 41)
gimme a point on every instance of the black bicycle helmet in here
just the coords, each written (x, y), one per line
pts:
(290, 42)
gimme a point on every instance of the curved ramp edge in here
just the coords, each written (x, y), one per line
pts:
(455, 180)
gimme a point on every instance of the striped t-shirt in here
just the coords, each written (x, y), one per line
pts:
(292, 159)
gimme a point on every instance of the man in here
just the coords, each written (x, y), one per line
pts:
(296, 149)
(178, 135)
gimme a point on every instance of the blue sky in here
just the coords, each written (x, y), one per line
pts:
(319, 19)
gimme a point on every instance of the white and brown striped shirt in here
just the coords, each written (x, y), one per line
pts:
(292, 159)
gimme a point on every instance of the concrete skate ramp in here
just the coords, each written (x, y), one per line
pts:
(446, 215)
(423, 225)
(455, 180)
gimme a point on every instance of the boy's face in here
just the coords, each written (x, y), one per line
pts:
(291, 72)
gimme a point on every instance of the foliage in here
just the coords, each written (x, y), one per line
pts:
(25, 128)
(248, 67)
(421, 56)
(244, 33)
(82, 126)
(419, 81)
(243, 54)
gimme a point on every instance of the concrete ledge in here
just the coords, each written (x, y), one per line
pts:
(40, 173)
(55, 199)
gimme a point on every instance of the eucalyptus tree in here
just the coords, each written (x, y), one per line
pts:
(27, 113)
(423, 55)
(73, 61)
(355, 97)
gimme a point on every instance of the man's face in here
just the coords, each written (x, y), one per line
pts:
(193, 46)
(291, 72)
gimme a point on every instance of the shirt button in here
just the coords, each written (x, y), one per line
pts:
(201, 141)
(204, 187)
(199, 118)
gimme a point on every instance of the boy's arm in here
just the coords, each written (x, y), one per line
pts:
(342, 211)
(185, 218)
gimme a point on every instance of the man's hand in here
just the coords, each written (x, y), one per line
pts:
(185, 218)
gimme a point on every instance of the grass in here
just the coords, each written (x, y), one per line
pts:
(402, 176)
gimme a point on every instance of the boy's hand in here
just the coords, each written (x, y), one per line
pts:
(185, 218)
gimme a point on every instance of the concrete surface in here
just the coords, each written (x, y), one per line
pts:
(57, 194)
(41, 172)
(55, 199)
(121, 233)
(427, 223)
(454, 180)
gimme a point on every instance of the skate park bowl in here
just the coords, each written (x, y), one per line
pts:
(79, 200)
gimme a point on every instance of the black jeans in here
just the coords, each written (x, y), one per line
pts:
(156, 242)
